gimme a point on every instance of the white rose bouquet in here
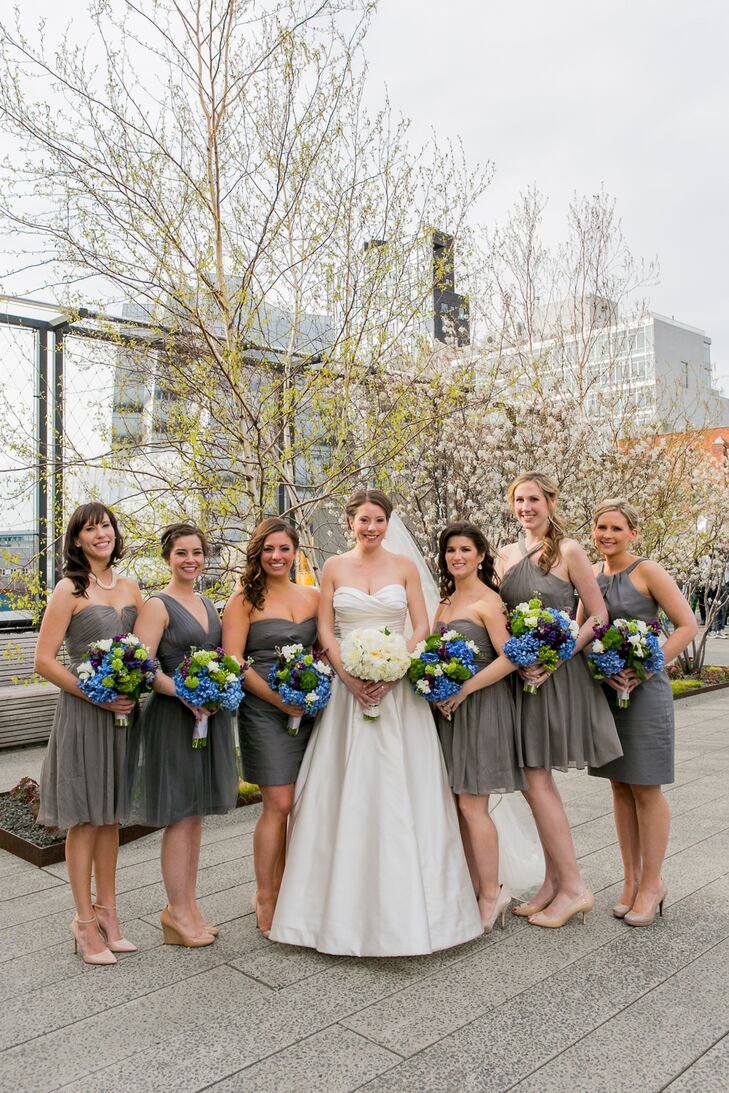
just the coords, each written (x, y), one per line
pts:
(379, 656)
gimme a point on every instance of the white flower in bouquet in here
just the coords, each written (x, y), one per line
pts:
(379, 656)
(291, 651)
(105, 644)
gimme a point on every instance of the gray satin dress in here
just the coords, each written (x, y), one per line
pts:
(82, 778)
(567, 723)
(168, 779)
(270, 756)
(646, 728)
(480, 744)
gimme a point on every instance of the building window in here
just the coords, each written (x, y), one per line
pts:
(685, 373)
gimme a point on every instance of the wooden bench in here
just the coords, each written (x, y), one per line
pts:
(27, 704)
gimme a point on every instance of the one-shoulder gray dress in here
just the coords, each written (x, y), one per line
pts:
(82, 778)
(646, 728)
(168, 779)
(480, 744)
(567, 723)
(270, 756)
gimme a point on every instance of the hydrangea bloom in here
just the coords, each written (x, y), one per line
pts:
(626, 643)
(303, 679)
(441, 664)
(116, 666)
(540, 635)
(210, 678)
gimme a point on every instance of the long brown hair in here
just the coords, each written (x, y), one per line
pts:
(75, 563)
(253, 581)
(556, 529)
(486, 571)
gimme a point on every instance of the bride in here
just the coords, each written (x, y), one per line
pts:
(375, 865)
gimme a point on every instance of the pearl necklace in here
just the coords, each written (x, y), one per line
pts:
(106, 587)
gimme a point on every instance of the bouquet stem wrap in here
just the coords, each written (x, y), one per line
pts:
(200, 732)
(293, 724)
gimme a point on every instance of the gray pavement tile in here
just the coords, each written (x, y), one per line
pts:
(646, 1044)
(335, 1060)
(281, 965)
(10, 865)
(57, 963)
(182, 1010)
(24, 883)
(707, 1074)
(508, 1043)
(433, 1008)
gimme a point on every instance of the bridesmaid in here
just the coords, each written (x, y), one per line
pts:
(567, 723)
(172, 784)
(635, 588)
(267, 612)
(82, 780)
(479, 741)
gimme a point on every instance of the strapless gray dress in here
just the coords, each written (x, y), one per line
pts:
(169, 780)
(480, 743)
(646, 728)
(270, 756)
(82, 778)
(567, 723)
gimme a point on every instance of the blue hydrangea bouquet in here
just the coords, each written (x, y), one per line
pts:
(303, 679)
(213, 679)
(541, 636)
(441, 664)
(626, 643)
(117, 666)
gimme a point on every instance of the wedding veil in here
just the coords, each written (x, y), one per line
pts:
(521, 860)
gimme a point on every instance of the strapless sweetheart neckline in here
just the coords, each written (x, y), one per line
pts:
(369, 595)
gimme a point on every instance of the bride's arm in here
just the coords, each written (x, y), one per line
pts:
(325, 624)
(416, 604)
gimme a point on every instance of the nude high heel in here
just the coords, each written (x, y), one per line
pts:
(524, 910)
(104, 957)
(582, 905)
(620, 910)
(115, 945)
(173, 935)
(500, 907)
(632, 919)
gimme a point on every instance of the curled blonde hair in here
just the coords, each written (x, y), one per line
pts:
(556, 529)
(617, 504)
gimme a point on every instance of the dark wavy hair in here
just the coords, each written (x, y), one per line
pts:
(486, 573)
(75, 563)
(173, 532)
(253, 581)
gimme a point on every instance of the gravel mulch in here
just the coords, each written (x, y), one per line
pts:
(16, 816)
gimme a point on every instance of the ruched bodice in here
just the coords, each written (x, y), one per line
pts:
(388, 606)
(473, 631)
(185, 633)
(95, 623)
(266, 635)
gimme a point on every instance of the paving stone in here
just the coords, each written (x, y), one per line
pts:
(183, 1009)
(708, 1074)
(24, 883)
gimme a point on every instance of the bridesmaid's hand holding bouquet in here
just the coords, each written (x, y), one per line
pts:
(209, 679)
(626, 643)
(115, 667)
(441, 665)
(302, 679)
(541, 637)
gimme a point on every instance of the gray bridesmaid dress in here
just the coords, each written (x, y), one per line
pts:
(480, 744)
(168, 779)
(567, 723)
(270, 756)
(82, 778)
(646, 728)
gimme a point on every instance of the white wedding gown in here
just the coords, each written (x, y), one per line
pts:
(375, 864)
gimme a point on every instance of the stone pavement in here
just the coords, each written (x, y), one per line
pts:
(600, 1007)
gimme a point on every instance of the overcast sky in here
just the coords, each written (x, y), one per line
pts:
(571, 96)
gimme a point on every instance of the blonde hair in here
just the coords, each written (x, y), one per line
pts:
(617, 504)
(556, 529)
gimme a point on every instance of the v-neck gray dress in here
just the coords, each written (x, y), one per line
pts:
(479, 743)
(567, 723)
(270, 756)
(168, 779)
(646, 728)
(82, 778)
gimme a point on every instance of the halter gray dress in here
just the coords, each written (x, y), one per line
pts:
(270, 756)
(480, 744)
(82, 778)
(646, 728)
(567, 723)
(168, 779)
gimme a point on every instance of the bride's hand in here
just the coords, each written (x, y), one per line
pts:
(359, 688)
(377, 691)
